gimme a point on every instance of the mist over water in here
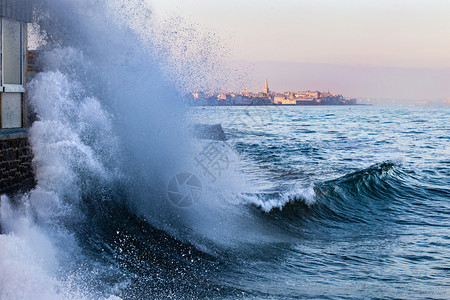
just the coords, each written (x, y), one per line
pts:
(301, 189)
(110, 134)
(108, 122)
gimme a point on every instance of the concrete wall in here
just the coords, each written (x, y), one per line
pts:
(19, 10)
(16, 170)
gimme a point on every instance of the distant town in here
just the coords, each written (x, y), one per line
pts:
(267, 97)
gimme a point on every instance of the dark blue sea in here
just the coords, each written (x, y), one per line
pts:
(134, 199)
(324, 202)
(371, 216)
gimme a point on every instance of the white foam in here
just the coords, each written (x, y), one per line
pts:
(72, 142)
(298, 193)
(23, 270)
(106, 110)
(28, 258)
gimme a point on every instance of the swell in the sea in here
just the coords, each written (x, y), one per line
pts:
(109, 136)
(381, 195)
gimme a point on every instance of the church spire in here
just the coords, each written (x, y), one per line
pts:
(266, 87)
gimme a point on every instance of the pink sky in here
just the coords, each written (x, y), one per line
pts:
(370, 48)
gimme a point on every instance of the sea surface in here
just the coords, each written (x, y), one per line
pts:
(371, 218)
(323, 202)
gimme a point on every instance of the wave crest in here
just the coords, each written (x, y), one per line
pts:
(346, 198)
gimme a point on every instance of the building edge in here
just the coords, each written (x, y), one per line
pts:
(16, 157)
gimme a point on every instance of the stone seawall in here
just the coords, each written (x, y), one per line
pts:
(16, 170)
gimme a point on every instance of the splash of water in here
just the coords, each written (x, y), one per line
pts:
(107, 119)
(104, 112)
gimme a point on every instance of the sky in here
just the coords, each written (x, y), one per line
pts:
(365, 48)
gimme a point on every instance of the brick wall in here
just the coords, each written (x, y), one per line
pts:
(16, 171)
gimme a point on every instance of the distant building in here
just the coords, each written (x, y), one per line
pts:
(282, 100)
(212, 101)
(241, 100)
(307, 96)
(266, 87)
(198, 95)
(268, 97)
(261, 101)
(278, 99)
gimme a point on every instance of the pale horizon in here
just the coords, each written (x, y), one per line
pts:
(399, 47)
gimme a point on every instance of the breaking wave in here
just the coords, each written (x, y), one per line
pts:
(356, 197)
(110, 134)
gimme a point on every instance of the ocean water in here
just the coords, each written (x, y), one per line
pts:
(341, 202)
(361, 194)
(299, 202)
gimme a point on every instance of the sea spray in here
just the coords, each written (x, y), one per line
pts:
(150, 123)
(72, 145)
(110, 134)
(114, 146)
(109, 127)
